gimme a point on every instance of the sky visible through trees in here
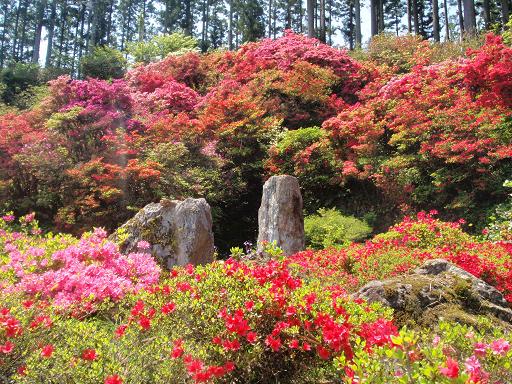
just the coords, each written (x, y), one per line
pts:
(58, 33)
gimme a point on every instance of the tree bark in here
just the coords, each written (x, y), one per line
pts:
(189, 18)
(446, 21)
(469, 17)
(461, 17)
(322, 21)
(311, 17)
(416, 17)
(505, 12)
(435, 20)
(409, 17)
(357, 17)
(381, 15)
(230, 27)
(51, 31)
(373, 17)
(41, 6)
(486, 13)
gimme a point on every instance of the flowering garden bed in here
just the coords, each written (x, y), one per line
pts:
(77, 310)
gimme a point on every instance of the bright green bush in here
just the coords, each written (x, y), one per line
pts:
(160, 46)
(330, 228)
(500, 222)
(103, 63)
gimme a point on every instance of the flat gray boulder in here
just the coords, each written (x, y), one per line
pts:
(280, 217)
(179, 232)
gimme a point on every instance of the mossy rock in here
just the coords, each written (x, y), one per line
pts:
(439, 291)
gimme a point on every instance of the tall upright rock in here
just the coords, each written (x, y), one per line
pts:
(179, 232)
(280, 215)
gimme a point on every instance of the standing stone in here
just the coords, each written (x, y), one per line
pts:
(179, 232)
(280, 216)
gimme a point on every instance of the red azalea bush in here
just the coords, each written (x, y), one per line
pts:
(406, 246)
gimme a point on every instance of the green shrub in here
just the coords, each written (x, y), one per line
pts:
(160, 46)
(330, 228)
(103, 63)
(500, 222)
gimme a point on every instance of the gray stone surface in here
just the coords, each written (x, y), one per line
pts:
(180, 232)
(280, 215)
(438, 289)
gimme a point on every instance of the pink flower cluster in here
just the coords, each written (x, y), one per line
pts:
(89, 271)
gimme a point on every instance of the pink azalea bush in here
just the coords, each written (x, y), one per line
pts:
(88, 270)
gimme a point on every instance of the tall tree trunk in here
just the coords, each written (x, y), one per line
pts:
(24, 23)
(351, 27)
(81, 38)
(329, 21)
(93, 30)
(269, 17)
(63, 17)
(311, 17)
(189, 17)
(51, 31)
(461, 17)
(446, 21)
(505, 12)
(381, 15)
(373, 17)
(301, 17)
(5, 11)
(435, 20)
(15, 35)
(322, 21)
(416, 17)
(41, 7)
(288, 18)
(409, 17)
(110, 23)
(357, 16)
(469, 17)
(486, 13)
(230, 27)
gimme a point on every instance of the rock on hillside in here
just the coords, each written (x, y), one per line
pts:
(180, 232)
(280, 215)
(438, 290)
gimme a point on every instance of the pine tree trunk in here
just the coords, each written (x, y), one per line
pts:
(357, 15)
(461, 17)
(4, 29)
(189, 17)
(435, 20)
(373, 17)
(41, 6)
(469, 17)
(446, 21)
(416, 17)
(311, 17)
(505, 12)
(409, 17)
(289, 15)
(51, 31)
(269, 18)
(322, 21)
(381, 15)
(230, 30)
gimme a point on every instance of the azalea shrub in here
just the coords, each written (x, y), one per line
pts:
(398, 129)
(406, 246)
(287, 319)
